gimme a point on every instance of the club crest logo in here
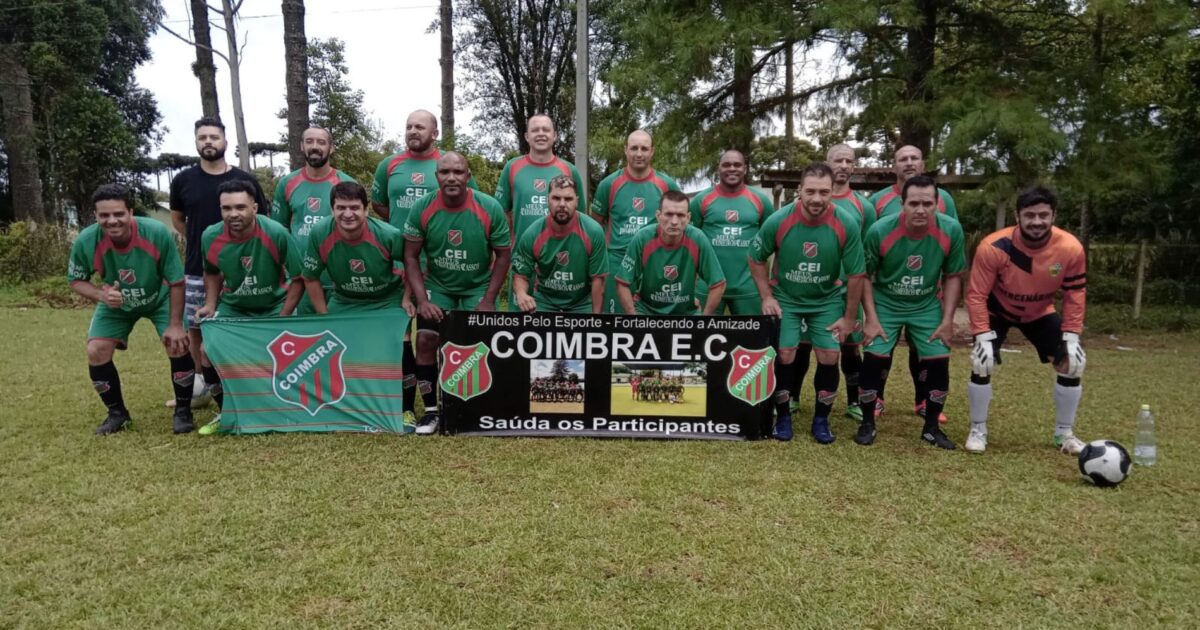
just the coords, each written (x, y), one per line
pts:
(639, 203)
(752, 374)
(671, 272)
(810, 249)
(357, 265)
(465, 371)
(127, 276)
(914, 262)
(454, 236)
(247, 262)
(307, 370)
(1055, 269)
(731, 216)
(539, 185)
(563, 257)
(314, 204)
(418, 179)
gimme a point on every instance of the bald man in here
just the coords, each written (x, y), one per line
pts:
(460, 231)
(909, 162)
(627, 201)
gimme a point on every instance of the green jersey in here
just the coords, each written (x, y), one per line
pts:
(811, 256)
(887, 202)
(629, 204)
(364, 270)
(664, 277)
(524, 187)
(143, 269)
(731, 221)
(907, 266)
(256, 269)
(301, 202)
(858, 205)
(404, 179)
(560, 267)
(458, 242)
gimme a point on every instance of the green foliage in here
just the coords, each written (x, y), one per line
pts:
(778, 152)
(30, 253)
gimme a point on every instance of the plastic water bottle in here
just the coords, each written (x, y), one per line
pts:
(1145, 448)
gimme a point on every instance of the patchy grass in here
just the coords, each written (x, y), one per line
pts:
(145, 528)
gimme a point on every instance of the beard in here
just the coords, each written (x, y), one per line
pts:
(316, 160)
(212, 154)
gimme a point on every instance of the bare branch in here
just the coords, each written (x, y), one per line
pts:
(192, 43)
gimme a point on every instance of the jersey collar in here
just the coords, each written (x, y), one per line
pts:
(253, 232)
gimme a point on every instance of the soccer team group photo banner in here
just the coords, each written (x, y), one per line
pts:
(318, 373)
(548, 374)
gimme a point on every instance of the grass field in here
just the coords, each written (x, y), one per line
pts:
(147, 529)
(693, 403)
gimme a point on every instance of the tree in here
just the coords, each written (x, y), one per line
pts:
(520, 60)
(560, 370)
(446, 21)
(204, 69)
(296, 61)
(20, 135)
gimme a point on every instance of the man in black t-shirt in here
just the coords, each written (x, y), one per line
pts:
(195, 205)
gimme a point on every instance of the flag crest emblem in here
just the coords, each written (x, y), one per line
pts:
(810, 249)
(751, 374)
(670, 272)
(731, 216)
(563, 257)
(307, 369)
(357, 265)
(418, 178)
(127, 276)
(454, 236)
(914, 262)
(314, 204)
(639, 203)
(247, 262)
(465, 370)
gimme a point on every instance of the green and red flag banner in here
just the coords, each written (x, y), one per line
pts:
(317, 373)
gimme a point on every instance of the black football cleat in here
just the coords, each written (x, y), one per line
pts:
(182, 421)
(117, 420)
(938, 439)
(866, 434)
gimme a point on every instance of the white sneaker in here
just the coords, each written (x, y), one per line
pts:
(976, 440)
(1069, 444)
(428, 424)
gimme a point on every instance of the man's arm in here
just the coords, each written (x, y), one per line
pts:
(625, 297)
(502, 257)
(715, 293)
(598, 294)
(871, 326)
(179, 221)
(212, 293)
(951, 291)
(521, 294)
(295, 291)
(758, 271)
(316, 295)
(176, 338)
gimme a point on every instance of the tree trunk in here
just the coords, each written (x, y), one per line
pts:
(20, 137)
(1085, 221)
(914, 127)
(204, 69)
(446, 16)
(235, 84)
(296, 60)
(789, 91)
(743, 81)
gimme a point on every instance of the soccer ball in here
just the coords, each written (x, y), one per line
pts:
(1105, 463)
(200, 396)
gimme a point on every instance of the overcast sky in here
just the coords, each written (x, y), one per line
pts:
(391, 59)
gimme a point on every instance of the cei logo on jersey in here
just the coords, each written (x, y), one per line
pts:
(418, 179)
(810, 249)
(357, 265)
(539, 185)
(307, 370)
(914, 262)
(465, 372)
(670, 272)
(1055, 269)
(731, 216)
(454, 236)
(314, 204)
(127, 276)
(563, 257)
(752, 374)
(639, 203)
(247, 262)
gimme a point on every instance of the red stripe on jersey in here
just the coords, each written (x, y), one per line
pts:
(527, 160)
(789, 222)
(889, 241)
(439, 203)
(135, 242)
(367, 237)
(268, 243)
(625, 178)
(708, 200)
(853, 199)
(301, 177)
(327, 245)
(830, 219)
(888, 197)
(547, 233)
(399, 159)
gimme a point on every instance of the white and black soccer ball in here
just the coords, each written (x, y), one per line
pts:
(200, 396)
(1105, 463)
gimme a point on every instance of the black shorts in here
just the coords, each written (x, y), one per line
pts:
(1045, 333)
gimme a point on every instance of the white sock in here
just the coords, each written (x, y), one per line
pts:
(979, 398)
(1066, 402)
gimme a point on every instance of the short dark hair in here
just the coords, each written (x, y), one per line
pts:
(210, 121)
(675, 196)
(348, 191)
(563, 181)
(236, 186)
(816, 169)
(113, 191)
(1034, 195)
(917, 181)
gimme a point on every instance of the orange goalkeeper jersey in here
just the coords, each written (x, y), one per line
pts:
(1021, 284)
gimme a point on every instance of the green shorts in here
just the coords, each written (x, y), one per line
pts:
(448, 302)
(225, 310)
(305, 306)
(339, 304)
(856, 337)
(808, 326)
(920, 326)
(611, 303)
(115, 324)
(584, 308)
